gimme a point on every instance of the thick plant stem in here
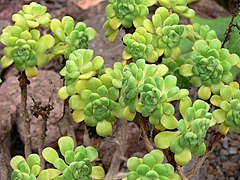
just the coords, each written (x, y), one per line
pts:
(146, 141)
(42, 137)
(201, 160)
(121, 144)
(23, 82)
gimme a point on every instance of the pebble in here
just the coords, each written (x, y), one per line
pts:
(233, 150)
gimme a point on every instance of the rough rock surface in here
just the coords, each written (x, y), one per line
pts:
(40, 90)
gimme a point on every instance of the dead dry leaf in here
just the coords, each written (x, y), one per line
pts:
(87, 4)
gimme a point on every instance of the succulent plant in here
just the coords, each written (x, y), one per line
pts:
(150, 167)
(139, 46)
(209, 67)
(32, 15)
(125, 13)
(80, 65)
(74, 37)
(30, 169)
(166, 31)
(200, 32)
(134, 75)
(192, 129)
(117, 74)
(25, 48)
(95, 103)
(179, 7)
(154, 102)
(76, 163)
(228, 114)
(173, 65)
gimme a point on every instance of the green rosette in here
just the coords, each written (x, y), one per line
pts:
(126, 13)
(228, 112)
(33, 16)
(30, 169)
(70, 37)
(76, 162)
(156, 95)
(192, 129)
(134, 75)
(80, 65)
(150, 167)
(96, 103)
(209, 67)
(25, 48)
(179, 7)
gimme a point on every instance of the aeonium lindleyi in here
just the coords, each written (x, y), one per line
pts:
(30, 169)
(76, 162)
(134, 75)
(125, 13)
(209, 67)
(96, 103)
(70, 37)
(191, 131)
(156, 95)
(228, 102)
(166, 32)
(79, 66)
(26, 48)
(151, 166)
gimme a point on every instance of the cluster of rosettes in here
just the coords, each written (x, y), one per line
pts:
(150, 167)
(32, 15)
(145, 91)
(125, 13)
(156, 95)
(71, 37)
(209, 67)
(25, 48)
(192, 129)
(228, 114)
(76, 163)
(133, 76)
(93, 93)
(160, 36)
(179, 7)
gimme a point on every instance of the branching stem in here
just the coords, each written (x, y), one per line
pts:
(199, 163)
(146, 140)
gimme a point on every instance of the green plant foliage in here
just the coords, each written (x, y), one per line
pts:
(200, 32)
(134, 76)
(192, 129)
(25, 48)
(30, 169)
(79, 66)
(139, 46)
(150, 167)
(179, 7)
(32, 15)
(77, 163)
(71, 38)
(96, 103)
(173, 65)
(209, 67)
(166, 31)
(126, 14)
(228, 114)
(156, 95)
